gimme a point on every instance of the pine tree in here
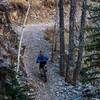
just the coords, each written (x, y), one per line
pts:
(91, 73)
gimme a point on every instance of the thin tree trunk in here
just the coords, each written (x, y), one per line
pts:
(55, 35)
(81, 42)
(70, 59)
(62, 43)
(56, 25)
(52, 46)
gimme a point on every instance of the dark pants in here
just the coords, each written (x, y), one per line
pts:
(42, 64)
(42, 67)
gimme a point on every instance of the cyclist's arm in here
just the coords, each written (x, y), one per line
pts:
(38, 60)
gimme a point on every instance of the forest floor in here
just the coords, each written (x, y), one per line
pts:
(55, 88)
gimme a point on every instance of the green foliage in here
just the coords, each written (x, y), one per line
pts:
(91, 71)
(15, 90)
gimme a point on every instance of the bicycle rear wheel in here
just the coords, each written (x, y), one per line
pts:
(44, 75)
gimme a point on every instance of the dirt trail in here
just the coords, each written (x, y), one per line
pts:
(34, 41)
(55, 88)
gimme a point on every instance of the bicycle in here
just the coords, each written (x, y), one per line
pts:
(42, 60)
(43, 72)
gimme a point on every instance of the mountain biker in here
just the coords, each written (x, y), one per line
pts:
(42, 60)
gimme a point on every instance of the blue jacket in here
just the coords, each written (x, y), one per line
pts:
(41, 58)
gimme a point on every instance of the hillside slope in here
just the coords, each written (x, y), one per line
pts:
(41, 11)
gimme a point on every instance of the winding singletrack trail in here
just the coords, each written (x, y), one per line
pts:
(55, 88)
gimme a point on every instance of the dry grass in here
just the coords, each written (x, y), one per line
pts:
(49, 34)
(17, 1)
(44, 12)
(33, 2)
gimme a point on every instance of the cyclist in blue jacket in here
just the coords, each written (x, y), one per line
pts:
(42, 59)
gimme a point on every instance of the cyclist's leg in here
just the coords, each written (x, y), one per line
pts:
(41, 69)
(44, 65)
(44, 73)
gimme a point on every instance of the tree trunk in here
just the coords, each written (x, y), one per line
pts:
(56, 25)
(62, 43)
(70, 59)
(52, 46)
(81, 42)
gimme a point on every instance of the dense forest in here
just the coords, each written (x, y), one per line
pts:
(49, 50)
